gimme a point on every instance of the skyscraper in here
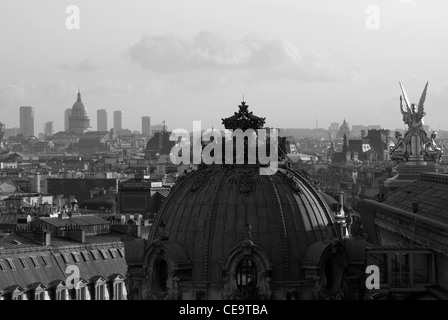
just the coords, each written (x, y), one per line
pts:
(146, 126)
(67, 114)
(101, 120)
(27, 121)
(118, 120)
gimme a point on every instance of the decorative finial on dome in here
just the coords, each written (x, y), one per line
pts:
(79, 94)
(243, 119)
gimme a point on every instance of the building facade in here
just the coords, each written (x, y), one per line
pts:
(67, 114)
(37, 260)
(118, 120)
(101, 120)
(27, 121)
(146, 126)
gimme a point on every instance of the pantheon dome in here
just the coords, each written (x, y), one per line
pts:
(227, 232)
(79, 121)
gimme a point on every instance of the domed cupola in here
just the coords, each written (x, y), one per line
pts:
(79, 122)
(78, 108)
(228, 232)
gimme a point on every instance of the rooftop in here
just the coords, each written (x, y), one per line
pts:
(430, 192)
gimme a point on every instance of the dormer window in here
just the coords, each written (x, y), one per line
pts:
(39, 296)
(79, 293)
(11, 264)
(118, 291)
(61, 294)
(100, 292)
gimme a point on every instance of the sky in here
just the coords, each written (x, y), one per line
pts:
(296, 62)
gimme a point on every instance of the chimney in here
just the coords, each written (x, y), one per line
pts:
(42, 237)
(340, 212)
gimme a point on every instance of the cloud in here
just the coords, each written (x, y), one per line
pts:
(248, 59)
(108, 87)
(22, 92)
(85, 65)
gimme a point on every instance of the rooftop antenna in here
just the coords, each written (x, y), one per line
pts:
(243, 97)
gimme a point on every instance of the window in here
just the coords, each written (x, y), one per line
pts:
(99, 292)
(45, 261)
(104, 254)
(246, 279)
(39, 296)
(11, 264)
(81, 294)
(400, 270)
(78, 294)
(95, 255)
(160, 274)
(61, 294)
(2, 265)
(35, 262)
(85, 256)
(65, 257)
(75, 256)
(118, 290)
(23, 262)
(113, 253)
(17, 297)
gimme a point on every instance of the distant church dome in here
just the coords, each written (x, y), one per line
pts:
(344, 129)
(79, 121)
(228, 232)
(78, 108)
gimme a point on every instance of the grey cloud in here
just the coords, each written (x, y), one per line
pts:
(85, 65)
(249, 58)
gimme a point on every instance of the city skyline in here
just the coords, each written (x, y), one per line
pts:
(314, 60)
(102, 123)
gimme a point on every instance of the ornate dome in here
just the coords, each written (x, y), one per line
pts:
(228, 232)
(78, 108)
(208, 212)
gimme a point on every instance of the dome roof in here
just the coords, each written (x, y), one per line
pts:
(210, 210)
(78, 108)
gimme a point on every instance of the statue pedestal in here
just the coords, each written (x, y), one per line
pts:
(409, 172)
(412, 169)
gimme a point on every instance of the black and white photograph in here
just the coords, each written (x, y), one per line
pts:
(223, 155)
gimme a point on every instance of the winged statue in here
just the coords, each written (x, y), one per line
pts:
(413, 115)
